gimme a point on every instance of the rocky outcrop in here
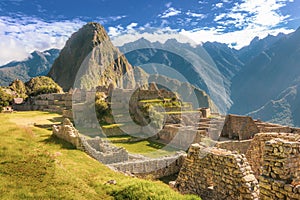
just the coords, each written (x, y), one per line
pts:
(90, 57)
(67, 132)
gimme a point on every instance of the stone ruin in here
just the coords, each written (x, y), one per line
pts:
(117, 158)
(96, 147)
(280, 178)
(103, 151)
(156, 167)
(214, 174)
(67, 132)
(256, 149)
(239, 127)
(270, 161)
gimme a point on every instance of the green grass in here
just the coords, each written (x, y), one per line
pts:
(147, 148)
(155, 100)
(112, 126)
(181, 112)
(35, 165)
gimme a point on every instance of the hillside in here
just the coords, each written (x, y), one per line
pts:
(35, 165)
(193, 63)
(37, 64)
(284, 108)
(267, 75)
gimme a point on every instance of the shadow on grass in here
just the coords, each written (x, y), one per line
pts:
(56, 119)
(167, 179)
(55, 140)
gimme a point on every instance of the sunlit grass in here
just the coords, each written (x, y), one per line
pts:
(35, 165)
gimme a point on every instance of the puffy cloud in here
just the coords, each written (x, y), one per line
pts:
(198, 15)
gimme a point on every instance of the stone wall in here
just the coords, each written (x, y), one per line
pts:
(281, 170)
(157, 168)
(255, 151)
(103, 151)
(239, 146)
(180, 136)
(214, 174)
(239, 127)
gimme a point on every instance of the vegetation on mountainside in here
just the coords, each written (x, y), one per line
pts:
(36, 165)
(42, 85)
(19, 88)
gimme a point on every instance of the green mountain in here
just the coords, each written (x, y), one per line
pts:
(37, 64)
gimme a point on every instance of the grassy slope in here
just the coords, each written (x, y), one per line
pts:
(34, 165)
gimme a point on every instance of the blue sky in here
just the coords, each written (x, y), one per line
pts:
(27, 25)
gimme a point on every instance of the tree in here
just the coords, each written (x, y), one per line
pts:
(19, 87)
(5, 99)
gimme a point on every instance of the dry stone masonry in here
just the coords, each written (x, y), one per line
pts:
(103, 151)
(117, 157)
(281, 172)
(256, 149)
(215, 174)
(240, 127)
(157, 167)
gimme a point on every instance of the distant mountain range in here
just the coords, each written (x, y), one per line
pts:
(37, 64)
(261, 80)
(269, 82)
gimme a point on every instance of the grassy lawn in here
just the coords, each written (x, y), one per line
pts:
(147, 148)
(35, 165)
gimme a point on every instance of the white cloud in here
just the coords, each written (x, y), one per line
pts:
(252, 18)
(168, 5)
(19, 37)
(259, 13)
(241, 38)
(219, 5)
(170, 12)
(153, 35)
(198, 15)
(132, 25)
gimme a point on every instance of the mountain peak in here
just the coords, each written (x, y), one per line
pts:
(89, 46)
